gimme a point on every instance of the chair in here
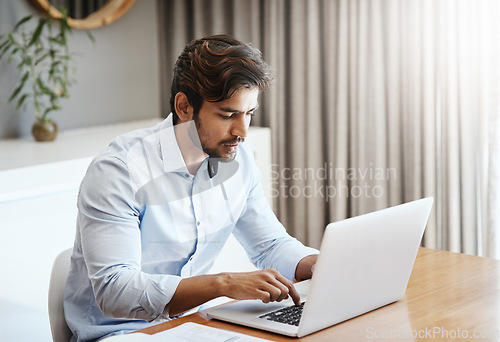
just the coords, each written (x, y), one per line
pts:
(60, 269)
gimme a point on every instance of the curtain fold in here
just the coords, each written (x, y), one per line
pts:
(377, 102)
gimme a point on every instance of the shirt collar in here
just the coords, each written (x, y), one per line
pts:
(171, 152)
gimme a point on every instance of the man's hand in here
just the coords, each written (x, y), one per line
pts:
(267, 285)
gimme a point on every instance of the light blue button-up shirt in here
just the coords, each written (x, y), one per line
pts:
(144, 223)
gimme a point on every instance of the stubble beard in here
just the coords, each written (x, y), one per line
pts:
(214, 152)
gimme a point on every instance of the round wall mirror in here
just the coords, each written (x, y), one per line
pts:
(89, 14)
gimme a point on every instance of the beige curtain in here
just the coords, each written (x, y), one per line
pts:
(377, 102)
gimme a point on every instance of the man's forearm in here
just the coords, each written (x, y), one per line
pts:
(194, 291)
(304, 267)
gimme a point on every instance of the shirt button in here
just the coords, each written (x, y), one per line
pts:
(186, 175)
(198, 223)
(191, 259)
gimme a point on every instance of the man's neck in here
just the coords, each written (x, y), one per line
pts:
(192, 152)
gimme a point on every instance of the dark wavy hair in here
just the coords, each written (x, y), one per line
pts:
(213, 68)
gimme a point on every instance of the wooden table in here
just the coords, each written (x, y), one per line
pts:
(450, 297)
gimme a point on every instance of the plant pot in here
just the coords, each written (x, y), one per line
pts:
(44, 130)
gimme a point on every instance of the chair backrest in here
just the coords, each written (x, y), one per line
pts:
(60, 270)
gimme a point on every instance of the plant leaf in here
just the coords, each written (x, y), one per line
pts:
(13, 52)
(59, 39)
(22, 82)
(54, 107)
(15, 93)
(41, 59)
(2, 44)
(22, 65)
(54, 69)
(46, 112)
(21, 100)
(90, 35)
(54, 64)
(12, 39)
(28, 61)
(38, 31)
(63, 21)
(39, 48)
(64, 11)
(5, 49)
(45, 90)
(22, 21)
(25, 77)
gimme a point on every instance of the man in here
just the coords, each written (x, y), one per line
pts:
(157, 205)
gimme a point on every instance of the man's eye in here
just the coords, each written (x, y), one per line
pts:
(226, 117)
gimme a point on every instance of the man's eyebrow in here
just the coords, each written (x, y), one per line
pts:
(236, 111)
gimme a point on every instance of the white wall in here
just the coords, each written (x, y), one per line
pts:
(37, 223)
(117, 77)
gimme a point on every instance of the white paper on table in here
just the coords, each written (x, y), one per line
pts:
(187, 332)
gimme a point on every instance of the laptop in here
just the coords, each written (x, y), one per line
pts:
(364, 263)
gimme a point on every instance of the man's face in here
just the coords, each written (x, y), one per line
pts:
(223, 125)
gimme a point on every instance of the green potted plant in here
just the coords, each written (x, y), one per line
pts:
(44, 64)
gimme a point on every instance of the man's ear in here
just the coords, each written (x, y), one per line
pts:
(182, 107)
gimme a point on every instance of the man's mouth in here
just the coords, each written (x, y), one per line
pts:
(234, 142)
(231, 147)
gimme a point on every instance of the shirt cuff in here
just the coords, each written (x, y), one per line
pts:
(288, 264)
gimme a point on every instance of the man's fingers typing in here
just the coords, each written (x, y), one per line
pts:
(267, 285)
(291, 289)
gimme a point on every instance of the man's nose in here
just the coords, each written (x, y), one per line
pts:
(240, 126)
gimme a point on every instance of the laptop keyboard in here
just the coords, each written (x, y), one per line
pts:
(288, 315)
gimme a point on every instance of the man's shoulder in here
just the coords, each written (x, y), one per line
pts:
(126, 153)
(127, 144)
